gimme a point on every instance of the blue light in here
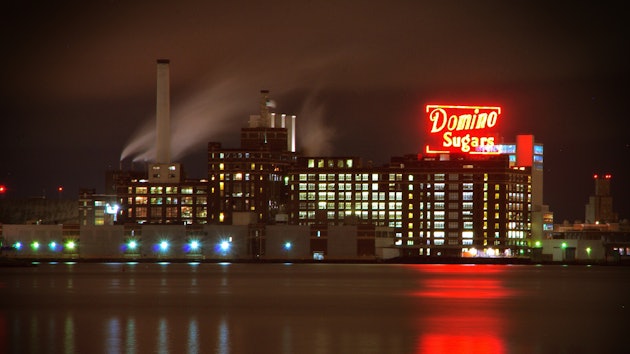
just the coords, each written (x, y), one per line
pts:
(18, 245)
(53, 245)
(194, 245)
(132, 245)
(287, 246)
(163, 246)
(225, 245)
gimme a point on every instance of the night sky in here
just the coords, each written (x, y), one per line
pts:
(77, 82)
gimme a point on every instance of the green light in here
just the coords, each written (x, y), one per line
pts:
(588, 250)
(537, 243)
(35, 245)
(132, 245)
(564, 245)
(70, 245)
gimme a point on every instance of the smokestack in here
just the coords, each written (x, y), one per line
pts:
(291, 134)
(163, 113)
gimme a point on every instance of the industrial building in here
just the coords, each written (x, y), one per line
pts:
(600, 238)
(465, 195)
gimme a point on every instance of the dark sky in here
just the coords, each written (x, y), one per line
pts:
(77, 82)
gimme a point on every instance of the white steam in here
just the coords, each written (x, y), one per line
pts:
(224, 104)
(314, 135)
(194, 123)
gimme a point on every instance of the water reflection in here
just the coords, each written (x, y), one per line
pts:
(309, 308)
(130, 345)
(223, 335)
(162, 336)
(460, 314)
(68, 343)
(113, 335)
(193, 337)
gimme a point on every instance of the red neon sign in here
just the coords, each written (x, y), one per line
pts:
(467, 129)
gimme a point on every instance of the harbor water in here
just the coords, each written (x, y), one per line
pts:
(226, 308)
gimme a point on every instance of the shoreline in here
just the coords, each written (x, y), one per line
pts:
(30, 262)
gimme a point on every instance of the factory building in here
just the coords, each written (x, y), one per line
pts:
(467, 194)
(442, 206)
(252, 178)
(599, 238)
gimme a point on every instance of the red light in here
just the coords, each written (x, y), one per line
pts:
(608, 176)
(3, 188)
(595, 176)
(60, 189)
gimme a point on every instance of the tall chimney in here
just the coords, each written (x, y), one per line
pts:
(291, 134)
(163, 113)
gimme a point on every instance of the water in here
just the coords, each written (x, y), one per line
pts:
(313, 308)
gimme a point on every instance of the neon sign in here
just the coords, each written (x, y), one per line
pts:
(467, 129)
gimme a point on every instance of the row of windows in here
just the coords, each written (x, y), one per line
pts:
(375, 177)
(349, 177)
(168, 212)
(385, 196)
(362, 214)
(309, 202)
(330, 163)
(241, 155)
(199, 200)
(167, 190)
(355, 206)
(302, 196)
(451, 186)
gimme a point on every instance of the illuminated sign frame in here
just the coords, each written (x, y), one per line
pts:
(462, 129)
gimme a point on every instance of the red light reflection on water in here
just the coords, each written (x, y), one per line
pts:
(458, 269)
(463, 289)
(458, 312)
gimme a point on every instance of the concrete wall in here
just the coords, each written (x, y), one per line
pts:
(236, 236)
(277, 236)
(342, 242)
(34, 240)
(101, 241)
(113, 242)
(574, 250)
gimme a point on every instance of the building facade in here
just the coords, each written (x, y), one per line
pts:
(445, 205)
(600, 205)
(466, 195)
